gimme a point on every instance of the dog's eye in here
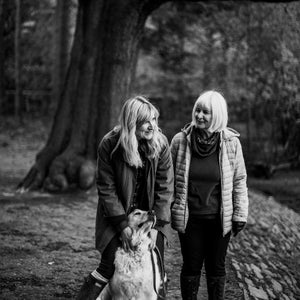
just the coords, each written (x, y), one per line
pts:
(137, 213)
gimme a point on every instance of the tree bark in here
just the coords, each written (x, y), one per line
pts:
(18, 92)
(102, 66)
(2, 88)
(62, 37)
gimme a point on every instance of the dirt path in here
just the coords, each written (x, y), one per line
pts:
(47, 246)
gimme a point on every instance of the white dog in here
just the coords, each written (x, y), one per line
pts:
(137, 273)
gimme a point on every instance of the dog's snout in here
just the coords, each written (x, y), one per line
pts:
(152, 217)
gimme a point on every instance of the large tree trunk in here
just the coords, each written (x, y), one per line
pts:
(102, 66)
(101, 69)
(18, 92)
(2, 91)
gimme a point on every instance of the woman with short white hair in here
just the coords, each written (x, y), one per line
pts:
(134, 171)
(211, 198)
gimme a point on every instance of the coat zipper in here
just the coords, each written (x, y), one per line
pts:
(187, 180)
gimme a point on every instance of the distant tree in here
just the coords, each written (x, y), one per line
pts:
(273, 74)
(62, 38)
(17, 60)
(183, 52)
(8, 22)
(102, 66)
(2, 89)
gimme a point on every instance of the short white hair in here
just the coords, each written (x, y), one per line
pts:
(218, 106)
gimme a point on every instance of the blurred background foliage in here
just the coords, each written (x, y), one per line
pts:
(250, 52)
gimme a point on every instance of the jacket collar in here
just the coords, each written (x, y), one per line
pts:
(228, 133)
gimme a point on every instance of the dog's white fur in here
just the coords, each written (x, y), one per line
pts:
(134, 270)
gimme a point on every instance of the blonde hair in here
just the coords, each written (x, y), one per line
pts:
(218, 106)
(135, 112)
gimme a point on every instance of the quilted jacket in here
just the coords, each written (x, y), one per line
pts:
(234, 192)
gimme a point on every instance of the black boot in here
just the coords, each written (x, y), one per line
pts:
(216, 287)
(90, 290)
(189, 287)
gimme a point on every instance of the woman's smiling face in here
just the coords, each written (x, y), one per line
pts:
(203, 116)
(146, 130)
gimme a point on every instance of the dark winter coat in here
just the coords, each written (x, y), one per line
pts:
(116, 185)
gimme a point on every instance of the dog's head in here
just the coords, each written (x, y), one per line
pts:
(141, 223)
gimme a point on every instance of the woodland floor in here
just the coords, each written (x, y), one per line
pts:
(47, 240)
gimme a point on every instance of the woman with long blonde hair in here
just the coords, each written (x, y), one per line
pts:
(134, 170)
(136, 112)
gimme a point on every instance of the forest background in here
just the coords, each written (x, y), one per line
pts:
(250, 52)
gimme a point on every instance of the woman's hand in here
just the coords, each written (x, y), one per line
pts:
(237, 227)
(126, 236)
(153, 236)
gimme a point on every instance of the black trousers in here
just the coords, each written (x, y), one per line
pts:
(106, 267)
(203, 242)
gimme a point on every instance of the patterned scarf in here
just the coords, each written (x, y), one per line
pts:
(203, 145)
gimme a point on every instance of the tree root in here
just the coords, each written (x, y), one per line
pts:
(33, 180)
(87, 174)
(63, 172)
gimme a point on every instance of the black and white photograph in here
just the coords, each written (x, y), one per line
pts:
(149, 149)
